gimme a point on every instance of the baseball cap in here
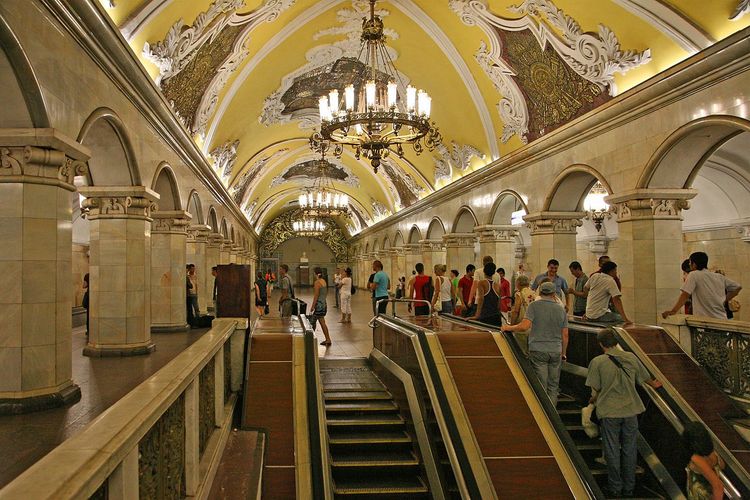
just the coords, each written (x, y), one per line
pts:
(547, 288)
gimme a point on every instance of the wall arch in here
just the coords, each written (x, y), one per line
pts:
(571, 187)
(195, 207)
(213, 220)
(224, 229)
(415, 235)
(165, 183)
(367, 247)
(386, 243)
(25, 106)
(375, 246)
(113, 160)
(465, 221)
(436, 229)
(507, 202)
(678, 159)
(398, 240)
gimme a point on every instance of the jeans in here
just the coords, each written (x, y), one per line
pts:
(608, 317)
(547, 367)
(337, 294)
(621, 452)
(192, 308)
(446, 306)
(383, 305)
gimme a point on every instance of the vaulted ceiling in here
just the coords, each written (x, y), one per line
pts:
(244, 76)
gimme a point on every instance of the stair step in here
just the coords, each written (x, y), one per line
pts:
(368, 486)
(356, 395)
(588, 446)
(569, 411)
(373, 437)
(368, 406)
(365, 420)
(370, 458)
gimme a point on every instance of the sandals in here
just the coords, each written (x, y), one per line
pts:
(326, 343)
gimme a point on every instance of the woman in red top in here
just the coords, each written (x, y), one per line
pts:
(417, 288)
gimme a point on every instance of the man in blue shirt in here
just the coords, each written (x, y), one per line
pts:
(561, 286)
(380, 284)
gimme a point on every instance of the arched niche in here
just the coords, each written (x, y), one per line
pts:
(224, 228)
(165, 183)
(213, 220)
(195, 208)
(375, 246)
(386, 243)
(23, 101)
(436, 229)
(571, 187)
(506, 203)
(676, 162)
(415, 235)
(398, 240)
(367, 247)
(465, 221)
(112, 161)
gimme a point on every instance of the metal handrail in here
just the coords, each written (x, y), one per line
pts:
(371, 323)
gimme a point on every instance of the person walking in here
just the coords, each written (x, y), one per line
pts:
(444, 292)
(215, 293)
(85, 301)
(346, 296)
(417, 289)
(261, 294)
(579, 300)
(506, 300)
(337, 286)
(612, 377)
(464, 288)
(287, 291)
(547, 323)
(488, 298)
(380, 285)
(320, 306)
(601, 290)
(708, 291)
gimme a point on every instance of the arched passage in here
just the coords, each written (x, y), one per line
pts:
(195, 208)
(571, 187)
(165, 184)
(436, 229)
(398, 240)
(465, 221)
(506, 203)
(112, 161)
(414, 235)
(213, 220)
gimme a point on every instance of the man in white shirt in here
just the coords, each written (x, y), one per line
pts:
(599, 290)
(708, 291)
(337, 285)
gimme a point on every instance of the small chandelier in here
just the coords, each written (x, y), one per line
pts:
(376, 121)
(595, 205)
(308, 227)
(322, 200)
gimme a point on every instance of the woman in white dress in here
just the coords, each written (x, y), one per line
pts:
(345, 296)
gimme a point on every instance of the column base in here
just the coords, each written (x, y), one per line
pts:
(170, 329)
(118, 351)
(64, 397)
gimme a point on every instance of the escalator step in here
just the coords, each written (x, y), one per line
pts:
(356, 395)
(371, 459)
(372, 437)
(364, 406)
(365, 420)
(374, 486)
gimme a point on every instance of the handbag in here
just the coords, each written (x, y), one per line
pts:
(590, 421)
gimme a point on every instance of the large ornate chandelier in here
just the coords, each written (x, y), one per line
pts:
(375, 119)
(308, 227)
(321, 199)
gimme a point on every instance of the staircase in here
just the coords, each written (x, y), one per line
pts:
(372, 456)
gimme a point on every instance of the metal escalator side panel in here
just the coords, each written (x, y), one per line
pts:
(302, 451)
(676, 409)
(579, 487)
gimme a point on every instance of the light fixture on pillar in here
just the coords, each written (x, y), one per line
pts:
(595, 206)
(321, 199)
(308, 227)
(379, 115)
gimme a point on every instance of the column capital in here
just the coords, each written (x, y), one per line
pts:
(651, 204)
(125, 202)
(396, 251)
(170, 222)
(496, 232)
(743, 227)
(198, 233)
(413, 248)
(455, 240)
(431, 245)
(41, 156)
(554, 222)
(215, 240)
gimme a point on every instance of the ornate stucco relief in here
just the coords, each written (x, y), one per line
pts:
(743, 7)
(309, 169)
(184, 43)
(244, 184)
(280, 230)
(456, 158)
(595, 57)
(224, 157)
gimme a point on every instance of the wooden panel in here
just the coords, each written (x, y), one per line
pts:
(468, 344)
(239, 468)
(233, 291)
(268, 405)
(271, 347)
(654, 340)
(498, 413)
(279, 483)
(528, 478)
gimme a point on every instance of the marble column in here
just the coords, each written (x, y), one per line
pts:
(413, 255)
(385, 257)
(433, 252)
(37, 168)
(499, 241)
(233, 253)
(553, 236)
(197, 241)
(213, 256)
(120, 269)
(459, 251)
(168, 260)
(224, 252)
(649, 249)
(398, 265)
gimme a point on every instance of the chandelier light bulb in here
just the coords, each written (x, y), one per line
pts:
(333, 101)
(422, 101)
(349, 97)
(324, 110)
(411, 99)
(302, 200)
(370, 93)
(358, 129)
(392, 93)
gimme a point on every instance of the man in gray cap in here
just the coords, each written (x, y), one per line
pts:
(548, 337)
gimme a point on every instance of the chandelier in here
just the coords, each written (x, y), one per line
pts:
(308, 227)
(595, 206)
(375, 119)
(322, 200)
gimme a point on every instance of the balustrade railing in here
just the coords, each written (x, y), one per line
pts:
(159, 441)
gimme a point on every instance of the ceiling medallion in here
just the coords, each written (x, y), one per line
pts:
(321, 199)
(375, 119)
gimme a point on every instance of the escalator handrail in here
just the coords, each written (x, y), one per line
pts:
(680, 412)
(584, 473)
(462, 469)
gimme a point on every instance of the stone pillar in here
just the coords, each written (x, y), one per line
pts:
(168, 259)
(233, 253)
(385, 257)
(37, 168)
(398, 265)
(224, 252)
(213, 251)
(649, 249)
(459, 251)
(120, 269)
(361, 276)
(413, 255)
(499, 241)
(197, 241)
(433, 252)
(553, 236)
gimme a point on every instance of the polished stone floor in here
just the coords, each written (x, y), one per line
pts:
(24, 439)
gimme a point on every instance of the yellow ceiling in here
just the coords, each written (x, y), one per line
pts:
(465, 105)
